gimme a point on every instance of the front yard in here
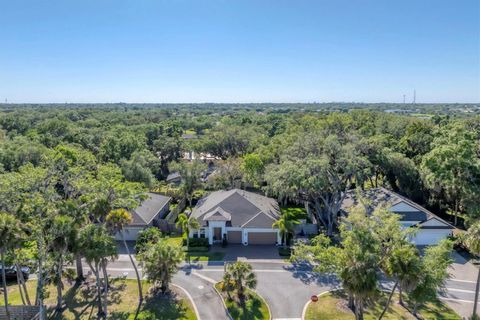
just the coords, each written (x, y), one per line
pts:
(123, 299)
(200, 254)
(333, 306)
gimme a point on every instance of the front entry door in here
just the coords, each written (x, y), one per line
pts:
(217, 234)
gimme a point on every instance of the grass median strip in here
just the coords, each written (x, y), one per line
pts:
(253, 307)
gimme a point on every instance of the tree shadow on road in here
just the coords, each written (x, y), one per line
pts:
(305, 273)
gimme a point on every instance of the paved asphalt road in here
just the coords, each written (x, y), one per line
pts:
(460, 288)
(287, 288)
(208, 302)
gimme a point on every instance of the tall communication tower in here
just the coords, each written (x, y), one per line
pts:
(414, 96)
(404, 99)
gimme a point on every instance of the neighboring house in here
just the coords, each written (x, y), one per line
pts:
(204, 156)
(238, 216)
(174, 178)
(150, 211)
(431, 228)
(189, 136)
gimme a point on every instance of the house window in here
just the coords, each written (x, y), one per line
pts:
(202, 233)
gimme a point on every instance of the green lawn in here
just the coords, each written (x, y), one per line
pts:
(176, 240)
(123, 299)
(333, 306)
(198, 256)
(255, 307)
(206, 256)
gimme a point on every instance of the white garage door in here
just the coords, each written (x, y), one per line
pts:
(430, 236)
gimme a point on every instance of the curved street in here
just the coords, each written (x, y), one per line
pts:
(287, 287)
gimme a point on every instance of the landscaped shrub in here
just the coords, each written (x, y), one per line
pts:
(198, 249)
(196, 242)
(284, 252)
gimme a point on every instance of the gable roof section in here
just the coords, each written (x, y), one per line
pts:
(259, 221)
(149, 208)
(243, 207)
(407, 209)
(218, 214)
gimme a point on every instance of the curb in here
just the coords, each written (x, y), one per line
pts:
(223, 301)
(268, 307)
(310, 301)
(225, 306)
(190, 298)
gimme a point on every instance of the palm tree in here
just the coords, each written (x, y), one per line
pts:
(404, 265)
(237, 277)
(116, 221)
(187, 223)
(160, 261)
(63, 234)
(98, 245)
(472, 241)
(286, 225)
(147, 236)
(191, 177)
(10, 232)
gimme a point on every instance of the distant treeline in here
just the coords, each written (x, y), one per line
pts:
(419, 109)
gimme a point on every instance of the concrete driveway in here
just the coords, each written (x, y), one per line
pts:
(235, 252)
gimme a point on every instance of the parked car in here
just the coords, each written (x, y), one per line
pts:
(11, 272)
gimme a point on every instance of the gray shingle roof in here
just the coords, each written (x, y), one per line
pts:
(378, 197)
(149, 208)
(244, 208)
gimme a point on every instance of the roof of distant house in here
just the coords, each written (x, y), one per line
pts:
(189, 136)
(149, 208)
(239, 208)
(381, 197)
(173, 176)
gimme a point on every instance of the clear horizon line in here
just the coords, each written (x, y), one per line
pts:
(244, 102)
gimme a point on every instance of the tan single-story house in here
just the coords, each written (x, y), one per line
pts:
(239, 216)
(152, 209)
(431, 228)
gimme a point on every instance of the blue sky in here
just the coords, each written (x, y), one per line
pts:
(239, 51)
